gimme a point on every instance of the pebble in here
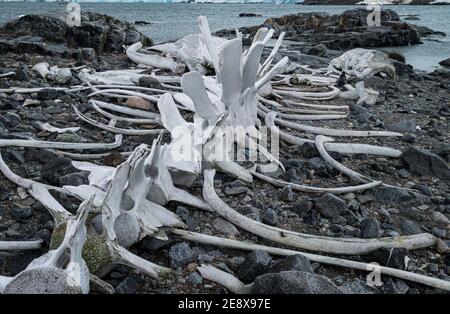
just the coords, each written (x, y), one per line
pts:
(21, 213)
(181, 254)
(235, 187)
(330, 205)
(410, 227)
(138, 103)
(255, 264)
(195, 279)
(440, 218)
(292, 263)
(370, 228)
(269, 216)
(286, 194)
(225, 227)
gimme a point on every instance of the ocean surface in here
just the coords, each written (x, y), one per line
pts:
(172, 21)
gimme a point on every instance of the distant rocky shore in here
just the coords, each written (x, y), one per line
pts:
(353, 2)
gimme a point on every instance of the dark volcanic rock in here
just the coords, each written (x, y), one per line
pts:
(292, 263)
(344, 31)
(181, 254)
(330, 206)
(445, 62)
(56, 168)
(370, 228)
(254, 265)
(426, 163)
(294, 282)
(98, 31)
(394, 257)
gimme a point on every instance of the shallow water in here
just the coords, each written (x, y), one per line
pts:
(172, 21)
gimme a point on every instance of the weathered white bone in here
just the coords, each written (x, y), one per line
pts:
(330, 132)
(50, 128)
(342, 148)
(346, 246)
(55, 272)
(364, 95)
(114, 129)
(61, 145)
(239, 245)
(126, 110)
(312, 189)
(267, 63)
(334, 92)
(42, 68)
(211, 47)
(152, 60)
(7, 74)
(225, 279)
(120, 118)
(362, 63)
(77, 156)
(123, 93)
(307, 117)
(317, 106)
(20, 245)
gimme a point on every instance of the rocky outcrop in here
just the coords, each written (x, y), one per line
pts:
(353, 2)
(344, 31)
(42, 33)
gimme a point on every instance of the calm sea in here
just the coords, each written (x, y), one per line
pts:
(172, 21)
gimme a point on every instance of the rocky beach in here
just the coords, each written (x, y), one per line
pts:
(414, 199)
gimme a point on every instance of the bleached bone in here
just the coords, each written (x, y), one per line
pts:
(314, 80)
(42, 68)
(61, 145)
(267, 63)
(364, 95)
(116, 77)
(309, 95)
(342, 148)
(307, 117)
(225, 279)
(330, 132)
(126, 110)
(320, 140)
(153, 60)
(99, 176)
(210, 46)
(283, 110)
(131, 87)
(345, 246)
(7, 74)
(38, 191)
(317, 106)
(362, 63)
(20, 245)
(77, 156)
(113, 129)
(123, 93)
(55, 272)
(312, 189)
(50, 128)
(239, 245)
(120, 118)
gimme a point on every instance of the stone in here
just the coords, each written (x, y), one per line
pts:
(251, 212)
(56, 168)
(225, 227)
(249, 15)
(404, 126)
(296, 262)
(395, 286)
(149, 82)
(357, 286)
(329, 205)
(181, 254)
(286, 194)
(445, 62)
(309, 150)
(269, 217)
(21, 213)
(410, 227)
(294, 282)
(394, 257)
(138, 103)
(195, 279)
(440, 218)
(235, 187)
(425, 163)
(75, 179)
(255, 264)
(370, 228)
(48, 94)
(129, 285)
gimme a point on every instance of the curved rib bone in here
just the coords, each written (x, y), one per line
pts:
(225, 279)
(239, 245)
(20, 245)
(152, 60)
(128, 111)
(346, 246)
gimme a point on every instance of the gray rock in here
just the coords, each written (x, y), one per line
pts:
(410, 227)
(426, 163)
(251, 212)
(394, 257)
(129, 285)
(445, 62)
(294, 282)
(56, 168)
(225, 227)
(440, 218)
(292, 263)
(286, 194)
(370, 228)
(404, 126)
(150, 82)
(181, 254)
(195, 279)
(269, 216)
(255, 264)
(21, 213)
(234, 188)
(76, 179)
(357, 286)
(317, 164)
(330, 205)
(396, 286)
(440, 233)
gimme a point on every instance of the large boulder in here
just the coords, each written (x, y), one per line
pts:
(425, 163)
(101, 32)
